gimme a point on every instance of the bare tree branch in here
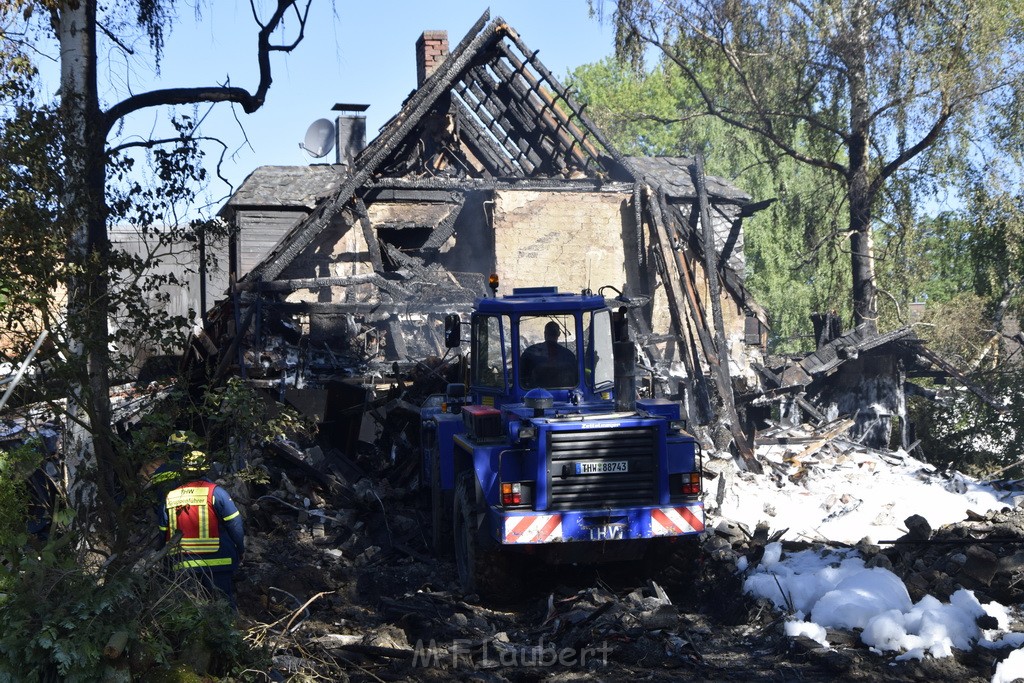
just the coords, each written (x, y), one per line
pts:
(151, 143)
(765, 129)
(250, 102)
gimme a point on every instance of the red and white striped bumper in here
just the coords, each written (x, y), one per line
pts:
(533, 529)
(605, 525)
(677, 521)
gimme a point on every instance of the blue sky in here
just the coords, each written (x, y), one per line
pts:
(356, 52)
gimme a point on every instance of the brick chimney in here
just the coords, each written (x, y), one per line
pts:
(431, 50)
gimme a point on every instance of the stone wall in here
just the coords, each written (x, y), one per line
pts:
(572, 240)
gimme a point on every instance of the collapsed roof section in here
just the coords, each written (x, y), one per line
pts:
(863, 374)
(490, 115)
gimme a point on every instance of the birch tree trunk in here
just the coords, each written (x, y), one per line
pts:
(88, 449)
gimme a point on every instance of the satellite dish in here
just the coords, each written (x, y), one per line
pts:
(319, 138)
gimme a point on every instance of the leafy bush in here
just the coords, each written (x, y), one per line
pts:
(15, 467)
(967, 434)
(59, 616)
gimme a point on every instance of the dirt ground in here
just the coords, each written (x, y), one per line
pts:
(344, 586)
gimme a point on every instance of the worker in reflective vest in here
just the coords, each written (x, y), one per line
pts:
(212, 537)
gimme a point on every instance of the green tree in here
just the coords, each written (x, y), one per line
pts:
(85, 199)
(867, 91)
(639, 111)
(656, 112)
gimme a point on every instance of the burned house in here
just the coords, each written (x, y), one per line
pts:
(344, 272)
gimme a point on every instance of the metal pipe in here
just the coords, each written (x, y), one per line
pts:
(21, 370)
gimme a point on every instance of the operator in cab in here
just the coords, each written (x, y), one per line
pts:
(548, 364)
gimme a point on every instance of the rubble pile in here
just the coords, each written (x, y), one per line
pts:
(985, 554)
(340, 582)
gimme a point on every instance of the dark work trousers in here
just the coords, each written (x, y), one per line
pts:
(217, 581)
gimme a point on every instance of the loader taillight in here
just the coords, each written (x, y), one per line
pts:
(685, 484)
(511, 493)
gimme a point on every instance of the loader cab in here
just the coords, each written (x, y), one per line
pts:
(538, 338)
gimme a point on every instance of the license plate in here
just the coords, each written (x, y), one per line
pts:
(601, 467)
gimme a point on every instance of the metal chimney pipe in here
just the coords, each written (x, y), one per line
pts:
(351, 131)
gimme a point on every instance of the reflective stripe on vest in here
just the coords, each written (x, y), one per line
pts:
(190, 510)
(195, 564)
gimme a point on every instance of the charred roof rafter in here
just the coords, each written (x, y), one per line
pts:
(481, 143)
(480, 95)
(564, 132)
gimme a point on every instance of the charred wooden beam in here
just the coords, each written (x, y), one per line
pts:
(403, 260)
(510, 131)
(234, 347)
(684, 275)
(528, 108)
(640, 251)
(809, 408)
(446, 229)
(570, 137)
(690, 236)
(372, 312)
(744, 443)
(412, 194)
(397, 338)
(481, 144)
(323, 282)
(373, 244)
(522, 133)
(487, 108)
(730, 240)
(948, 367)
(464, 184)
(672, 277)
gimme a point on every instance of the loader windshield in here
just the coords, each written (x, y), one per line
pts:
(548, 346)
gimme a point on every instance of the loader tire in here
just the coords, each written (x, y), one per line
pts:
(487, 572)
(440, 511)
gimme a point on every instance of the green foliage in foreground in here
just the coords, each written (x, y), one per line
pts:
(59, 616)
(61, 603)
(15, 468)
(966, 434)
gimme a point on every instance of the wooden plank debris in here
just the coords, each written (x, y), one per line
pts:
(821, 438)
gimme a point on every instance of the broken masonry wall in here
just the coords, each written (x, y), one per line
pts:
(572, 240)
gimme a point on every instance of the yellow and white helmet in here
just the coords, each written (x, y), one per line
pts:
(194, 463)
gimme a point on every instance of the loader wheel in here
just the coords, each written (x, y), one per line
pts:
(487, 572)
(440, 511)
